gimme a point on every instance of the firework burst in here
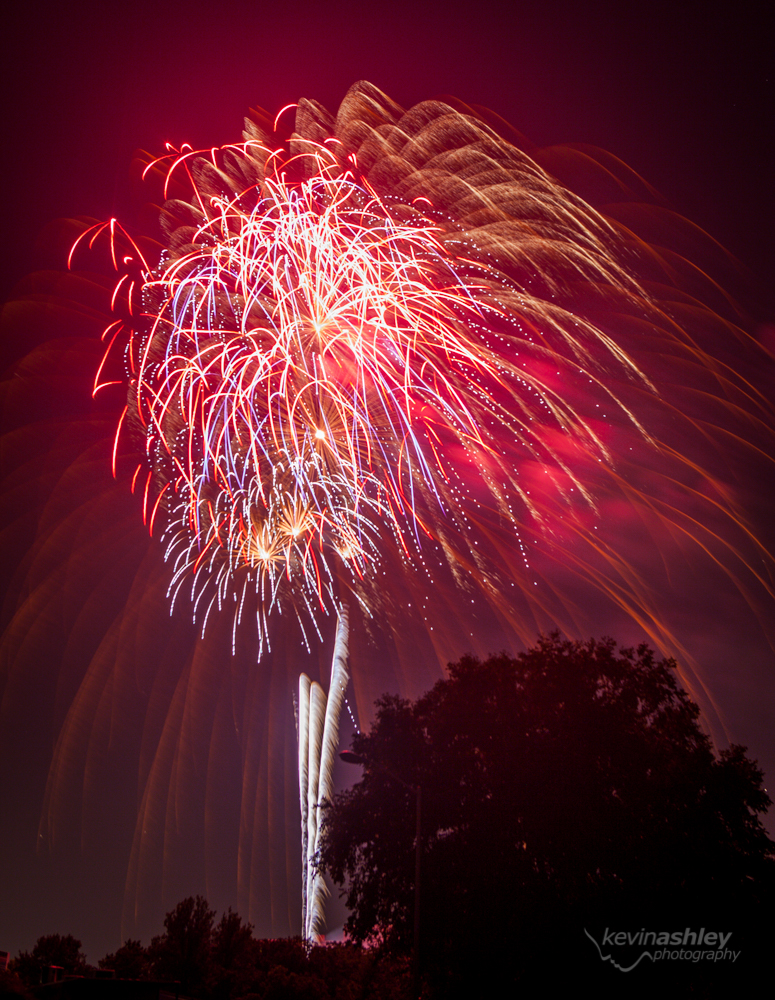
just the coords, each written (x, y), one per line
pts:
(388, 368)
(325, 368)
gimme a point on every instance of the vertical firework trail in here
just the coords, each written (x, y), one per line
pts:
(387, 369)
(318, 725)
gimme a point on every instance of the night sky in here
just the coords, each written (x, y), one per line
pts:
(683, 93)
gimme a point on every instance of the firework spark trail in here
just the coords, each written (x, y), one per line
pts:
(318, 739)
(392, 365)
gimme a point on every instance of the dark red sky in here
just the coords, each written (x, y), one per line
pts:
(683, 93)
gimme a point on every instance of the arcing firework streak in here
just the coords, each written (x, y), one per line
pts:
(369, 342)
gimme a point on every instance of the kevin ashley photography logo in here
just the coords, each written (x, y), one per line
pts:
(627, 949)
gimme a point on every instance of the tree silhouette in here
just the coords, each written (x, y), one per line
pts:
(184, 951)
(129, 962)
(233, 956)
(569, 784)
(63, 951)
(223, 961)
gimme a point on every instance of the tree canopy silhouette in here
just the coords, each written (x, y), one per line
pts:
(59, 950)
(568, 782)
(183, 952)
(221, 960)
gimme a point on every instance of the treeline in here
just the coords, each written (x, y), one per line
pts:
(223, 961)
